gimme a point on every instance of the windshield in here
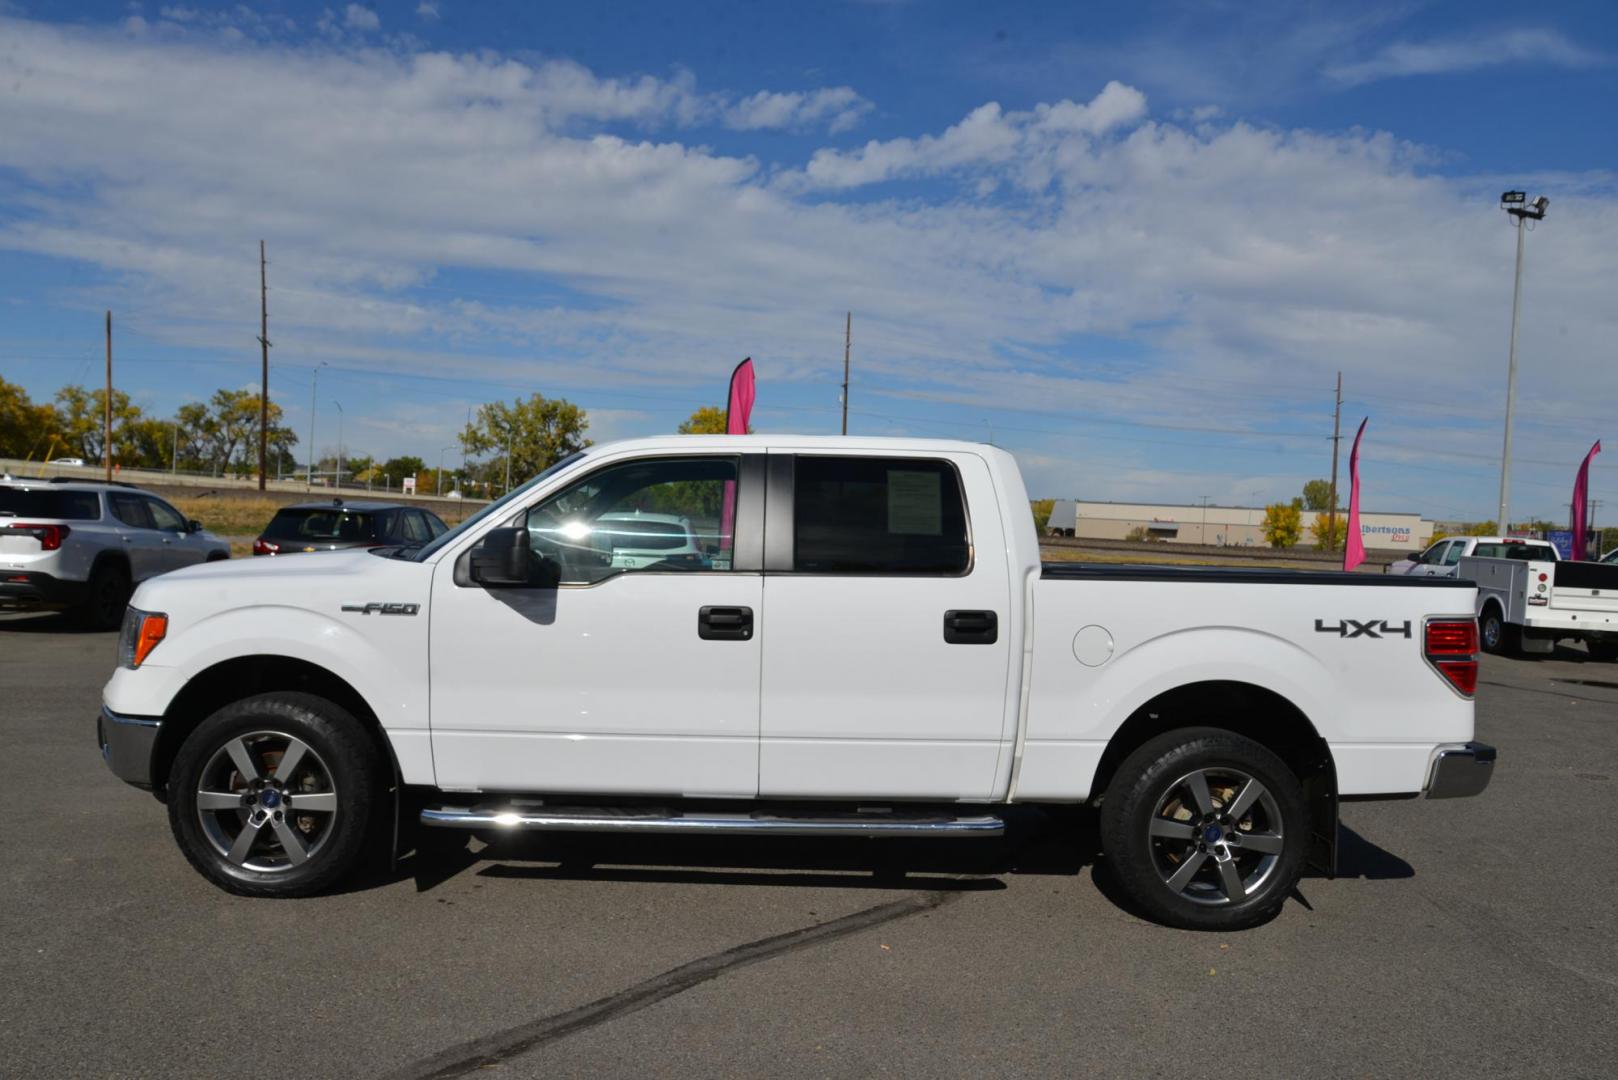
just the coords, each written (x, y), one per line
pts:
(494, 508)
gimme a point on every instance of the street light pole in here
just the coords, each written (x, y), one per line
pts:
(314, 384)
(339, 405)
(1521, 211)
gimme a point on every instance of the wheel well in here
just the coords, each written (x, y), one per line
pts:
(1491, 602)
(245, 677)
(1252, 711)
(111, 558)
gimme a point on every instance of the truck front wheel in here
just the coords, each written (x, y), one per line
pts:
(273, 795)
(1205, 829)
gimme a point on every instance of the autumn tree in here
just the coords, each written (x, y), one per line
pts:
(1327, 535)
(537, 433)
(708, 420)
(1283, 523)
(24, 426)
(81, 419)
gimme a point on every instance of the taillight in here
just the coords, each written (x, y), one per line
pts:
(50, 537)
(1451, 647)
(262, 546)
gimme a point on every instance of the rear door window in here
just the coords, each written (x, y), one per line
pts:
(132, 510)
(858, 515)
(57, 505)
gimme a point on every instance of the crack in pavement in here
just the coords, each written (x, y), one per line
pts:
(492, 1050)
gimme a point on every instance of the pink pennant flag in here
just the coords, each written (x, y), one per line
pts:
(738, 410)
(740, 406)
(1354, 544)
(1581, 501)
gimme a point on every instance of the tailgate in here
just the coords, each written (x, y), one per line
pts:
(1580, 586)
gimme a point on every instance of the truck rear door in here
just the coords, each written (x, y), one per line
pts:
(886, 657)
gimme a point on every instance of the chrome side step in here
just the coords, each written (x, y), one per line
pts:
(613, 820)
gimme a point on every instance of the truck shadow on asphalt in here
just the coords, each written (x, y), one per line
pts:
(41, 622)
(1059, 843)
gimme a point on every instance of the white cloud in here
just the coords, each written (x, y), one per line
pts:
(986, 138)
(427, 12)
(1514, 46)
(1081, 262)
(357, 17)
(838, 107)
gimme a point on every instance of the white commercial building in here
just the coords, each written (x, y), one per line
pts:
(1219, 526)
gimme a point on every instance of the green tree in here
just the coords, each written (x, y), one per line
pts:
(25, 427)
(708, 420)
(1317, 495)
(397, 468)
(1283, 523)
(537, 433)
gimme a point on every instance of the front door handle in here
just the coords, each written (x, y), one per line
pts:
(725, 623)
(971, 627)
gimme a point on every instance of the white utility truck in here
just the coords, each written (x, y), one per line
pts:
(867, 645)
(1527, 603)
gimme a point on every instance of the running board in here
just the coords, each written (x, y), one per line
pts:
(610, 820)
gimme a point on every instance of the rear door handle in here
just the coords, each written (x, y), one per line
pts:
(725, 623)
(971, 627)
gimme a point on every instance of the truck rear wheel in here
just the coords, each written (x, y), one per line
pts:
(1493, 632)
(105, 597)
(1605, 651)
(272, 795)
(1205, 829)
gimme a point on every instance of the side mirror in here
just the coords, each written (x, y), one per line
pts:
(193, 525)
(503, 559)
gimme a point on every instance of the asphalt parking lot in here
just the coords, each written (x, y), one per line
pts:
(1464, 937)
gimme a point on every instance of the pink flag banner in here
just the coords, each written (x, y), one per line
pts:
(739, 406)
(1581, 502)
(738, 411)
(1353, 543)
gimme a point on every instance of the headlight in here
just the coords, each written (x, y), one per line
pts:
(141, 632)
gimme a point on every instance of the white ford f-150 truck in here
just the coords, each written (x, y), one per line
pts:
(864, 642)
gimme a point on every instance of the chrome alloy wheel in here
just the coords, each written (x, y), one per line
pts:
(266, 801)
(1216, 836)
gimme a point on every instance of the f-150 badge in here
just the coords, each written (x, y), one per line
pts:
(383, 609)
(1371, 628)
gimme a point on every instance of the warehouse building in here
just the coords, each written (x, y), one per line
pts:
(1218, 526)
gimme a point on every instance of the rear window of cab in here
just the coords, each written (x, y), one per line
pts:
(321, 524)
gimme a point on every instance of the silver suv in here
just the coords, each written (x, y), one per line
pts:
(84, 546)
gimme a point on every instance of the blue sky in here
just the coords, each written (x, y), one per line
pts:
(1132, 242)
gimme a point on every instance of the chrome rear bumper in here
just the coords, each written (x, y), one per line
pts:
(1460, 771)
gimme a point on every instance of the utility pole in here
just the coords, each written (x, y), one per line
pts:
(1516, 204)
(1336, 438)
(339, 405)
(848, 340)
(509, 433)
(174, 465)
(1202, 536)
(314, 384)
(264, 352)
(106, 431)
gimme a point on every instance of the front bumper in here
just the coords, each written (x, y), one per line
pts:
(126, 745)
(1460, 771)
(27, 590)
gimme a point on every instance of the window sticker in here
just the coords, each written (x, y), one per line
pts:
(915, 503)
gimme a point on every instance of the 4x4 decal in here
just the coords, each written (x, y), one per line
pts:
(1372, 628)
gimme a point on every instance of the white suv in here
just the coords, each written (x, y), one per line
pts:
(84, 546)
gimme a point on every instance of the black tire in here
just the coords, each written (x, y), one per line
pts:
(339, 764)
(1145, 864)
(106, 595)
(1494, 634)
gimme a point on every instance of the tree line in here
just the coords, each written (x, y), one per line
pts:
(219, 435)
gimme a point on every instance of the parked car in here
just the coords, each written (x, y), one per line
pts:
(82, 546)
(336, 524)
(637, 541)
(68, 461)
(1527, 602)
(1611, 556)
(883, 656)
(1444, 556)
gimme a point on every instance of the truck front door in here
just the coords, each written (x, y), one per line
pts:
(886, 657)
(612, 678)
